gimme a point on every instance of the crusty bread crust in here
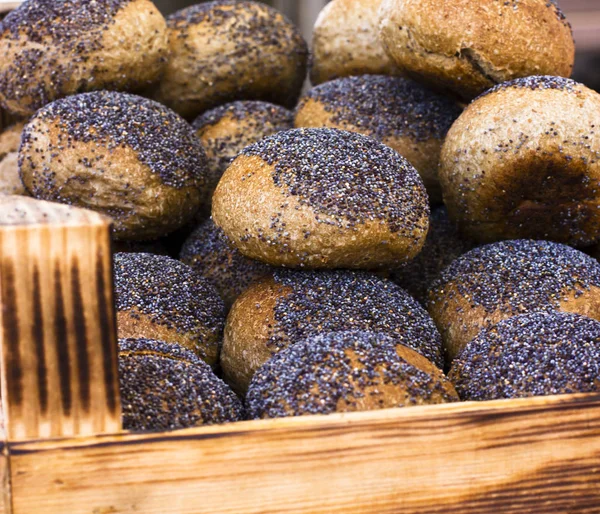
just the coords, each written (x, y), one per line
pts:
(467, 46)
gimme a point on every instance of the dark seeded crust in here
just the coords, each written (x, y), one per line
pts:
(442, 246)
(531, 355)
(226, 130)
(329, 198)
(54, 48)
(232, 50)
(157, 296)
(209, 252)
(501, 280)
(398, 112)
(523, 161)
(344, 371)
(76, 151)
(343, 175)
(165, 387)
(534, 83)
(293, 305)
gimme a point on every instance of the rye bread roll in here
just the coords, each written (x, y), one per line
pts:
(293, 305)
(536, 354)
(322, 198)
(345, 42)
(400, 113)
(165, 387)
(345, 372)
(228, 50)
(502, 280)
(523, 161)
(157, 297)
(119, 154)
(465, 47)
(55, 48)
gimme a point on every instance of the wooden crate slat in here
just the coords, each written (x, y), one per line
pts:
(57, 333)
(540, 454)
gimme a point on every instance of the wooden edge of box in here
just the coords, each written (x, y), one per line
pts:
(539, 455)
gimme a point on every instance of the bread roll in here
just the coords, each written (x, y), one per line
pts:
(52, 49)
(228, 50)
(501, 280)
(344, 372)
(466, 46)
(122, 155)
(523, 161)
(157, 297)
(535, 354)
(322, 198)
(165, 387)
(346, 42)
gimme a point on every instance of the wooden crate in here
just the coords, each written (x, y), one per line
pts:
(63, 450)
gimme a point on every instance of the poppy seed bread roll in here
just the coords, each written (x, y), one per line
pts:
(523, 161)
(535, 354)
(157, 297)
(466, 46)
(398, 112)
(208, 251)
(55, 48)
(229, 50)
(322, 198)
(345, 372)
(165, 387)
(10, 140)
(345, 42)
(293, 305)
(122, 155)
(502, 280)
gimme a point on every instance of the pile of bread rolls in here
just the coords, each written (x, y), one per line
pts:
(423, 208)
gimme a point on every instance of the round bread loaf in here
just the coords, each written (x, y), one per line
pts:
(398, 112)
(535, 354)
(523, 161)
(226, 130)
(345, 372)
(164, 387)
(231, 50)
(346, 42)
(442, 246)
(55, 48)
(160, 298)
(467, 47)
(125, 156)
(501, 280)
(10, 140)
(322, 198)
(293, 305)
(209, 253)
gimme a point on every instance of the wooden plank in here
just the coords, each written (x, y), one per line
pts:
(57, 325)
(5, 501)
(534, 455)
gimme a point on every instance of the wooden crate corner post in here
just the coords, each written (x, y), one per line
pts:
(58, 346)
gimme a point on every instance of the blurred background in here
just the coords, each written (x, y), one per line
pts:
(584, 16)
